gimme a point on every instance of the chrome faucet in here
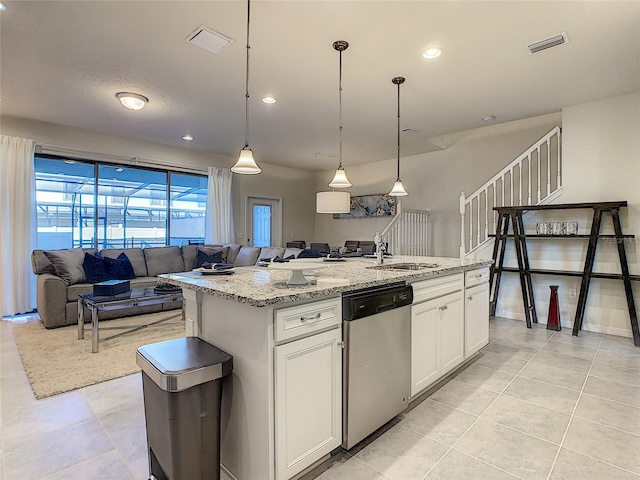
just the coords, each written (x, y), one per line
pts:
(379, 249)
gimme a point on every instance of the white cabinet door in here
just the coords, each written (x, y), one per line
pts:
(476, 318)
(451, 332)
(424, 345)
(308, 401)
(437, 339)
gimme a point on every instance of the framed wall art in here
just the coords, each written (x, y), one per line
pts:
(365, 206)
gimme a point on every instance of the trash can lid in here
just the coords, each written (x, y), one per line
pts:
(176, 365)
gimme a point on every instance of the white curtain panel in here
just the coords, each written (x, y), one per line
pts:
(219, 216)
(17, 224)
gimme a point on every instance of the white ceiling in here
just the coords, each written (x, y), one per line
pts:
(64, 61)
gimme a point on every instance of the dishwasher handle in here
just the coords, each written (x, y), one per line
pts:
(385, 307)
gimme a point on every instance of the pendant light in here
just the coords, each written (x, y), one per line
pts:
(335, 201)
(246, 165)
(340, 179)
(398, 189)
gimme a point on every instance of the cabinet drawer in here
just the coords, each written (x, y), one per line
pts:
(436, 287)
(306, 319)
(476, 277)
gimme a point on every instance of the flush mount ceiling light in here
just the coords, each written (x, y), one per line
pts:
(488, 118)
(246, 165)
(398, 189)
(187, 137)
(340, 179)
(132, 101)
(269, 99)
(432, 52)
(3, 7)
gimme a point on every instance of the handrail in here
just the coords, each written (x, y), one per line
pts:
(531, 168)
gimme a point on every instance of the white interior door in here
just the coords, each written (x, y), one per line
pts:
(264, 222)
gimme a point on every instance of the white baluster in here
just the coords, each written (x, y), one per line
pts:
(520, 183)
(539, 161)
(559, 181)
(511, 176)
(530, 183)
(548, 170)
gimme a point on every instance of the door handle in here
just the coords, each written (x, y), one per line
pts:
(469, 298)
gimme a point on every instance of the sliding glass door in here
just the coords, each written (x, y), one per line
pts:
(92, 204)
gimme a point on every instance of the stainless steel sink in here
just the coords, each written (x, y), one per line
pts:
(406, 266)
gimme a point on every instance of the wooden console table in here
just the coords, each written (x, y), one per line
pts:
(513, 215)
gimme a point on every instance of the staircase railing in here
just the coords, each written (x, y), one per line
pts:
(535, 177)
(408, 232)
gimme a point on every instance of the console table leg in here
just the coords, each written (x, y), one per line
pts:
(588, 269)
(80, 319)
(624, 267)
(94, 330)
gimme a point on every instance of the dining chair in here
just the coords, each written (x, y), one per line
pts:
(321, 247)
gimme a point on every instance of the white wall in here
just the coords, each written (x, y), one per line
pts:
(293, 186)
(434, 181)
(601, 162)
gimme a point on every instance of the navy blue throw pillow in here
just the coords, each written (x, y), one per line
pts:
(202, 257)
(95, 271)
(119, 268)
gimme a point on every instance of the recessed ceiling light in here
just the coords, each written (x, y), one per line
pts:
(432, 52)
(3, 7)
(132, 101)
(488, 118)
(269, 99)
(187, 137)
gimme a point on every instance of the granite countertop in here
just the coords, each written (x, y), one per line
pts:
(260, 286)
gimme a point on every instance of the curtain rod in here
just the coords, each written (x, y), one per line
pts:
(84, 154)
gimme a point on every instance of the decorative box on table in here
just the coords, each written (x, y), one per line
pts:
(111, 287)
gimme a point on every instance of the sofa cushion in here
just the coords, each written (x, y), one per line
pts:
(247, 256)
(202, 258)
(95, 269)
(135, 256)
(67, 264)
(163, 260)
(270, 252)
(119, 268)
(41, 264)
(189, 253)
(234, 248)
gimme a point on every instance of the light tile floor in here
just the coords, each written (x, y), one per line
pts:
(536, 405)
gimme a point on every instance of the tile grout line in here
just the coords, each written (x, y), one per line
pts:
(566, 430)
(601, 461)
(480, 416)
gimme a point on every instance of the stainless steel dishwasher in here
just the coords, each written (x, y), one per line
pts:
(377, 356)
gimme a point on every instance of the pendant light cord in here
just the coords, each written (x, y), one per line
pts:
(398, 131)
(340, 110)
(246, 115)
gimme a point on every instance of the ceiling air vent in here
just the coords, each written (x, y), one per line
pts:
(208, 39)
(548, 42)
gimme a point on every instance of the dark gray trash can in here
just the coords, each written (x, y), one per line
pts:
(182, 385)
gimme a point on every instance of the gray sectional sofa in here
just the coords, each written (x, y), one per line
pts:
(57, 291)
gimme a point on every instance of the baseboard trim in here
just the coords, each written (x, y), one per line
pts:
(586, 327)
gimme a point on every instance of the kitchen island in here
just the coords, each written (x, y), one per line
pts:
(282, 405)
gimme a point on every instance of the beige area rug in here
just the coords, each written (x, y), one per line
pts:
(56, 361)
